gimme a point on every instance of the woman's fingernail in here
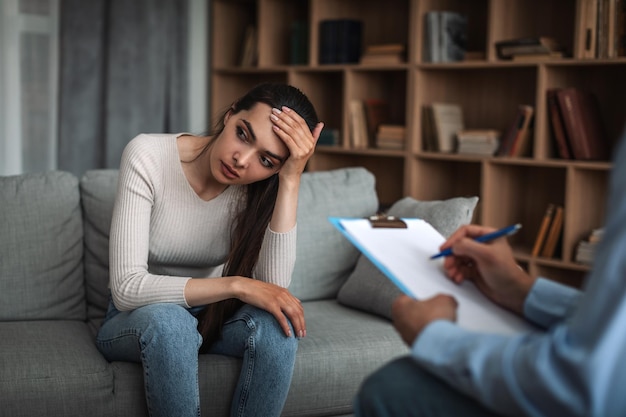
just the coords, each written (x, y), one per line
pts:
(286, 109)
(275, 110)
(273, 117)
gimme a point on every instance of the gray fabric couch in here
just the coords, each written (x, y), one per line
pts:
(53, 295)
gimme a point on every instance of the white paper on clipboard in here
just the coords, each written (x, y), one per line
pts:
(403, 255)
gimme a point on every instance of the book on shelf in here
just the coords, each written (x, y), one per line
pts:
(537, 57)
(522, 143)
(583, 124)
(478, 141)
(543, 229)
(248, 54)
(541, 45)
(328, 137)
(600, 28)
(447, 120)
(620, 29)
(299, 43)
(556, 125)
(391, 136)
(429, 137)
(554, 233)
(340, 41)
(392, 53)
(358, 125)
(518, 137)
(589, 22)
(432, 45)
(445, 36)
(376, 113)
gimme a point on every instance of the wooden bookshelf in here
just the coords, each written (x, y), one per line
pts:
(489, 90)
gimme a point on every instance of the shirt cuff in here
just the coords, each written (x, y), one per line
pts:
(549, 302)
(434, 338)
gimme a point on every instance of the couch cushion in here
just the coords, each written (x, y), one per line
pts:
(41, 249)
(368, 288)
(324, 258)
(52, 368)
(97, 192)
(341, 348)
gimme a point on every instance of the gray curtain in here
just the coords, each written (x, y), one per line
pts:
(123, 72)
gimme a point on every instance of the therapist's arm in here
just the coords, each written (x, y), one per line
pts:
(550, 302)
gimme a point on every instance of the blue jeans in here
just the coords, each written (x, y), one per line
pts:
(165, 340)
(403, 388)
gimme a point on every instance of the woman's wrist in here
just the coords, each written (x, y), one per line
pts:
(289, 181)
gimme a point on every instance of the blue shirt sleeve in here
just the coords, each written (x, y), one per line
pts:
(549, 302)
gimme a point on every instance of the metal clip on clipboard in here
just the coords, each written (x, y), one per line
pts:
(384, 221)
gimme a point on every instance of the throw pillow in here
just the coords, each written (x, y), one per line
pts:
(325, 258)
(370, 290)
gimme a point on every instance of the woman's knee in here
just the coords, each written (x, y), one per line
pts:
(268, 333)
(167, 323)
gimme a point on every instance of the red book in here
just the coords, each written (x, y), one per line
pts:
(556, 123)
(507, 140)
(583, 124)
(376, 113)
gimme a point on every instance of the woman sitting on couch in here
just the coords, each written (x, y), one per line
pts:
(188, 205)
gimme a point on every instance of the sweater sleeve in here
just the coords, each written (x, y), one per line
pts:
(132, 286)
(277, 257)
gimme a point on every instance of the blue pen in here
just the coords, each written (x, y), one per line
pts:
(505, 231)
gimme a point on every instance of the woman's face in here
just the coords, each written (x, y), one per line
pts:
(247, 150)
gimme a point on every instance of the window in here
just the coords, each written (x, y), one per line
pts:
(28, 85)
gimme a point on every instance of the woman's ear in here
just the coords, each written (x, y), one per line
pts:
(229, 113)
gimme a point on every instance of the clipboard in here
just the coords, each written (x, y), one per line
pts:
(402, 254)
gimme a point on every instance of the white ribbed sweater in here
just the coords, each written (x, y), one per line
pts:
(163, 233)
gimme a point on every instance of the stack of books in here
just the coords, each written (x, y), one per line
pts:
(478, 141)
(390, 136)
(385, 54)
(528, 49)
(586, 248)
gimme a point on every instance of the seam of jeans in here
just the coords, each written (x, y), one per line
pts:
(251, 351)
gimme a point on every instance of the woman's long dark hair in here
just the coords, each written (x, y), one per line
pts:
(259, 199)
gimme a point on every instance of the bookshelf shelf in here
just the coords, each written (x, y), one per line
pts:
(511, 189)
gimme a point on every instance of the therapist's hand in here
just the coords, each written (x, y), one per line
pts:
(411, 316)
(491, 266)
